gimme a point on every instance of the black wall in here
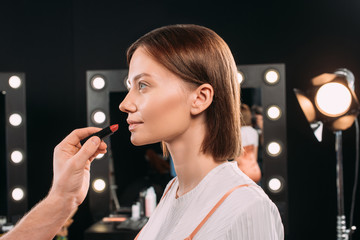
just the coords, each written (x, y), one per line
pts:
(54, 43)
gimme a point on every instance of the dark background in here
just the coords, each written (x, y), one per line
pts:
(54, 43)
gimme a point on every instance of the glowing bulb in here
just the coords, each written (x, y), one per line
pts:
(99, 185)
(275, 184)
(240, 77)
(99, 117)
(273, 149)
(333, 99)
(14, 82)
(272, 76)
(273, 112)
(98, 83)
(15, 119)
(16, 156)
(17, 194)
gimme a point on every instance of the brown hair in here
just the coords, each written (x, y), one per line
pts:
(246, 115)
(198, 55)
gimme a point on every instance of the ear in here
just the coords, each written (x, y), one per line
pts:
(202, 97)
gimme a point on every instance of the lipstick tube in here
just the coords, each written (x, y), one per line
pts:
(105, 132)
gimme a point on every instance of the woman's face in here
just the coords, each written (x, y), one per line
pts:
(158, 102)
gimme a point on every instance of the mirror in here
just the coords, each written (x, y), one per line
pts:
(3, 189)
(13, 139)
(265, 85)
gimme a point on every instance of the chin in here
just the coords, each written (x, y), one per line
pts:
(142, 142)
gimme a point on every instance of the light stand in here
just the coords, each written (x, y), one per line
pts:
(332, 102)
(342, 232)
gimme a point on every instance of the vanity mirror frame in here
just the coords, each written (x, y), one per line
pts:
(273, 93)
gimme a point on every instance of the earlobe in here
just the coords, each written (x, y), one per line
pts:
(202, 98)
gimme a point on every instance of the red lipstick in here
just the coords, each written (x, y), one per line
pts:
(105, 132)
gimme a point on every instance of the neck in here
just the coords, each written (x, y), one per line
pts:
(191, 164)
(191, 171)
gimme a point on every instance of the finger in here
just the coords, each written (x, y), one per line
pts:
(78, 134)
(99, 152)
(88, 150)
(103, 146)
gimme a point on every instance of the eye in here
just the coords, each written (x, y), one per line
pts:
(142, 85)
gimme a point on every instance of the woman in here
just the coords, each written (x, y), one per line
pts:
(248, 160)
(183, 91)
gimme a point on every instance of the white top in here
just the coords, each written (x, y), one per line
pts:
(249, 136)
(247, 213)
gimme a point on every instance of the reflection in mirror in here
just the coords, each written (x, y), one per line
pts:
(250, 161)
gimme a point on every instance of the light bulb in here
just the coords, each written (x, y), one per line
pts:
(333, 99)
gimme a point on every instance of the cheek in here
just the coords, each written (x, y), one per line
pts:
(166, 113)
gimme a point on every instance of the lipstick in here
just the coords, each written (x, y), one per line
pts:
(105, 132)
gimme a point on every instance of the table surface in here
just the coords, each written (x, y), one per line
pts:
(107, 231)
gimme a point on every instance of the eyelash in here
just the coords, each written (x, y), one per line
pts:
(141, 85)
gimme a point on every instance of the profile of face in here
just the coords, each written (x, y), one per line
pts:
(158, 102)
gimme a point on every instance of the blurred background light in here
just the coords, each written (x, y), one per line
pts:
(99, 156)
(98, 83)
(16, 156)
(98, 117)
(275, 185)
(14, 82)
(240, 76)
(17, 194)
(272, 76)
(333, 99)
(273, 112)
(99, 185)
(15, 119)
(273, 149)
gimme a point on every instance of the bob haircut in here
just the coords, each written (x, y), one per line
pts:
(198, 55)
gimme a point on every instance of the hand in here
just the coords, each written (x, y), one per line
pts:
(72, 165)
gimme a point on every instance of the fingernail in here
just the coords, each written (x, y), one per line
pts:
(95, 140)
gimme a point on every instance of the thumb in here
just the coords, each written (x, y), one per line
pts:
(88, 149)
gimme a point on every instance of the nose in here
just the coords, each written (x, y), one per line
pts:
(127, 105)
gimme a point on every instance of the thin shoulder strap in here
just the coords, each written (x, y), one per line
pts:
(168, 188)
(160, 200)
(190, 237)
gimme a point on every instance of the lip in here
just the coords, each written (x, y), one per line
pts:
(133, 124)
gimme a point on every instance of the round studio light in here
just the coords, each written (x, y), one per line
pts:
(273, 149)
(99, 185)
(16, 156)
(14, 82)
(15, 119)
(273, 112)
(98, 117)
(100, 156)
(275, 184)
(272, 76)
(97, 82)
(333, 99)
(240, 77)
(17, 194)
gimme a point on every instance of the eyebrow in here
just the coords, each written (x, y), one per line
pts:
(135, 79)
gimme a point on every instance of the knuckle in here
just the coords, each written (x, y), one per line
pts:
(75, 131)
(87, 151)
(57, 148)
